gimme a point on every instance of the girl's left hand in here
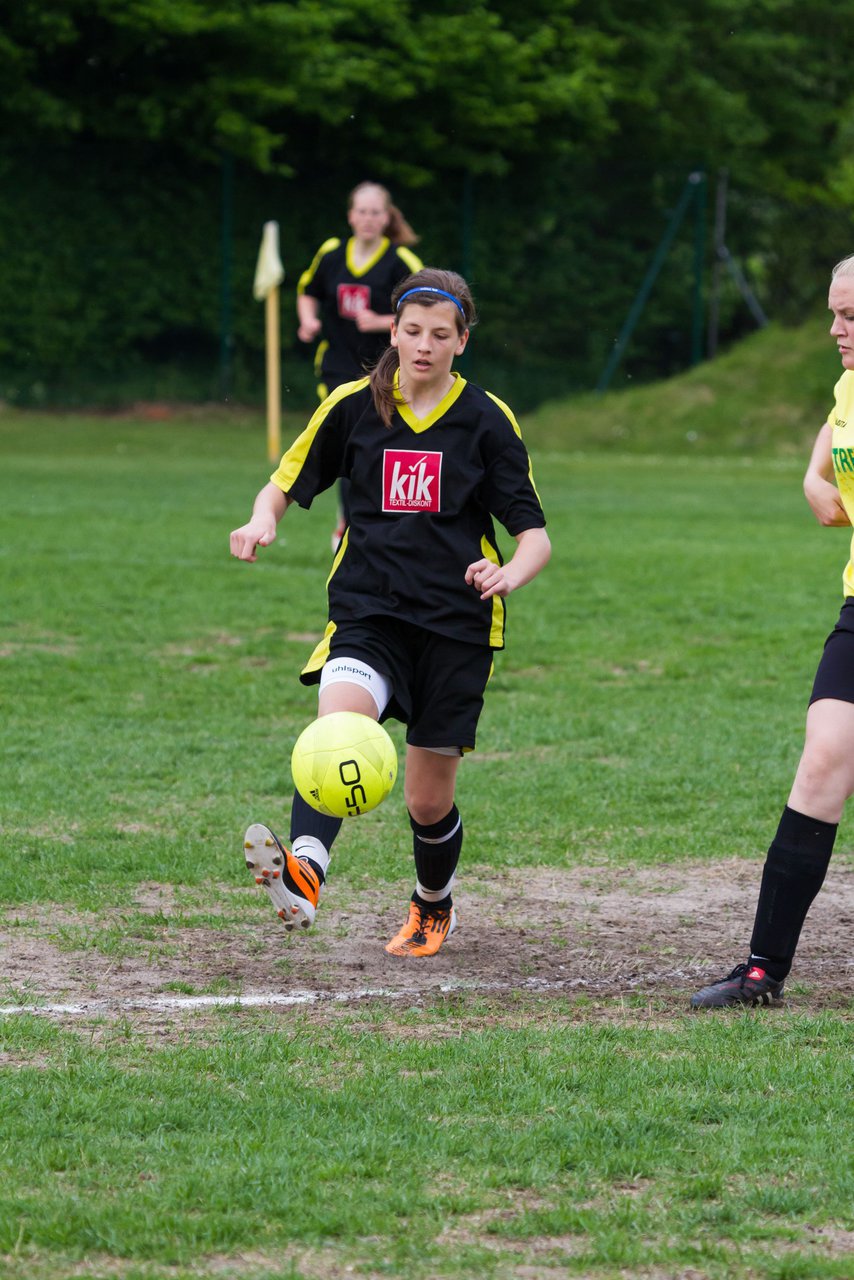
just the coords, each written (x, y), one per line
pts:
(371, 322)
(489, 579)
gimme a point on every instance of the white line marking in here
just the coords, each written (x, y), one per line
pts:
(271, 998)
(199, 1002)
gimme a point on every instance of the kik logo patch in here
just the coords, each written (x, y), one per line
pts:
(411, 481)
(353, 298)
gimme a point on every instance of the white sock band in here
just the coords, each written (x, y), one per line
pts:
(311, 847)
(441, 839)
(354, 671)
(434, 895)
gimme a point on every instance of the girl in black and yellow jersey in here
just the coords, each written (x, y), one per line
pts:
(344, 297)
(417, 589)
(800, 852)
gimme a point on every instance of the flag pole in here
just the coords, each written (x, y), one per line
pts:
(274, 381)
(269, 274)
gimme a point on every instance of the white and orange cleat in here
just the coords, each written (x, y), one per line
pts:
(292, 885)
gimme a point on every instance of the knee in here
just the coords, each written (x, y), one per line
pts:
(426, 810)
(824, 766)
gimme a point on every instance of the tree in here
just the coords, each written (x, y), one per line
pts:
(559, 132)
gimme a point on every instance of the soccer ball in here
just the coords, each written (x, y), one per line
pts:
(344, 764)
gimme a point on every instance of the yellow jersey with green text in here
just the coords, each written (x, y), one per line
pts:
(841, 419)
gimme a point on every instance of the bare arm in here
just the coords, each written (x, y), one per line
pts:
(308, 314)
(373, 322)
(821, 494)
(268, 509)
(533, 550)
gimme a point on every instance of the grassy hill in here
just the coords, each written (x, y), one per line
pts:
(769, 394)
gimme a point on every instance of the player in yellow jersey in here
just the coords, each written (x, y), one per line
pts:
(800, 852)
(418, 586)
(344, 296)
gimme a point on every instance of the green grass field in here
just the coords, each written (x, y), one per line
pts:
(647, 714)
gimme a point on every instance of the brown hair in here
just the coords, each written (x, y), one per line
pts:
(397, 229)
(428, 279)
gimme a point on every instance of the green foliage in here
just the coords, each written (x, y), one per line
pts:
(540, 148)
(203, 77)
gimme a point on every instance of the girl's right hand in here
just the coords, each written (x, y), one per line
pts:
(824, 499)
(309, 329)
(257, 533)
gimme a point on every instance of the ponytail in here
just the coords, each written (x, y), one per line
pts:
(398, 230)
(382, 385)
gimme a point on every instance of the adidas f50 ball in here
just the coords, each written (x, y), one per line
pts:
(344, 764)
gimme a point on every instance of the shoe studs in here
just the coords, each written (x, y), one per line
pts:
(268, 862)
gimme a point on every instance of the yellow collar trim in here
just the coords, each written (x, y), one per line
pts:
(366, 266)
(421, 424)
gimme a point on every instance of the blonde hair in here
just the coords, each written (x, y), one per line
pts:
(429, 279)
(397, 229)
(843, 268)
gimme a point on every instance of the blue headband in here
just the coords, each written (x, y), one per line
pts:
(426, 288)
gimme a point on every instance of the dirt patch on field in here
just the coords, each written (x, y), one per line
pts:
(619, 939)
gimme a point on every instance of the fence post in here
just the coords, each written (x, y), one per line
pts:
(699, 263)
(226, 337)
(464, 364)
(636, 309)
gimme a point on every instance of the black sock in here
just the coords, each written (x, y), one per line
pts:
(306, 821)
(794, 872)
(437, 852)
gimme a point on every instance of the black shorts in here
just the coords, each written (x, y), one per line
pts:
(438, 682)
(835, 675)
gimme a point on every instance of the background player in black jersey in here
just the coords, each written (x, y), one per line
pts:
(800, 852)
(417, 589)
(344, 297)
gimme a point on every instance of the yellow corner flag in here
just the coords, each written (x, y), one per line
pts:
(269, 274)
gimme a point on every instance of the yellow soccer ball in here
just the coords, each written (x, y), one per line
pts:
(344, 764)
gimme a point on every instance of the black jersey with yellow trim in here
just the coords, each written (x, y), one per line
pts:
(343, 289)
(423, 495)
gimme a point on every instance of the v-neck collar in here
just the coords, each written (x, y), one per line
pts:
(421, 424)
(366, 266)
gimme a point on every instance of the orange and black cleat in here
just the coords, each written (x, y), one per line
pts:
(291, 883)
(424, 932)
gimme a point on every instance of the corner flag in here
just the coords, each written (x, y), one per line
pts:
(269, 273)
